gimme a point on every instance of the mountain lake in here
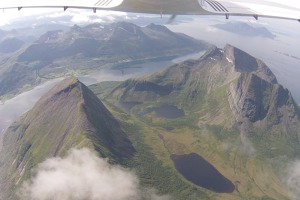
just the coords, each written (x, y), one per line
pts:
(200, 172)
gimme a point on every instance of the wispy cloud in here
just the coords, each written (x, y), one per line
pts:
(83, 175)
(42, 16)
(293, 177)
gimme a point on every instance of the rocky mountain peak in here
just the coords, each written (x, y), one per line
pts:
(256, 95)
(252, 90)
(68, 116)
(245, 63)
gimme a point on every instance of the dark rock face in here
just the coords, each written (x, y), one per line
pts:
(256, 95)
(251, 92)
(245, 63)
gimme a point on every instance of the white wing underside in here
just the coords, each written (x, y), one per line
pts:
(255, 8)
(101, 4)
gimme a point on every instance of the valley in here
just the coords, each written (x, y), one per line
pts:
(85, 50)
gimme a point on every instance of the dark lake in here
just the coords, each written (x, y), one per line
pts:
(200, 172)
(166, 111)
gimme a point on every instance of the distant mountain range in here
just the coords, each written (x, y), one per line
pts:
(82, 49)
(225, 110)
(96, 40)
(244, 29)
(31, 33)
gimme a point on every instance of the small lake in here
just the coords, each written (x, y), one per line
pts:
(165, 111)
(200, 172)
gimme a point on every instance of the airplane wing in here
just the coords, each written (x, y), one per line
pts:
(289, 9)
(255, 8)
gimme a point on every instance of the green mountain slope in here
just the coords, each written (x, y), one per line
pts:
(68, 116)
(227, 107)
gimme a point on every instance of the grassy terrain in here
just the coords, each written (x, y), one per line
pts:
(68, 116)
(203, 130)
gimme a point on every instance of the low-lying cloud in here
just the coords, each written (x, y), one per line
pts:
(293, 177)
(82, 175)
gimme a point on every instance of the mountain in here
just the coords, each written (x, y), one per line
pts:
(218, 127)
(10, 45)
(244, 29)
(68, 116)
(226, 107)
(93, 47)
(253, 91)
(31, 33)
(121, 38)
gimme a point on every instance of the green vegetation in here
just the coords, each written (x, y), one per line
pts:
(68, 116)
(223, 122)
(154, 173)
(249, 152)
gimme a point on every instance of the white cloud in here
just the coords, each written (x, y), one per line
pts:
(83, 175)
(211, 29)
(293, 177)
(78, 16)
(80, 19)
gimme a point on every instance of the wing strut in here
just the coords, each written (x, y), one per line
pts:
(19, 8)
(172, 18)
(65, 8)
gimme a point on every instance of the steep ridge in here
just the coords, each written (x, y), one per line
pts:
(68, 116)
